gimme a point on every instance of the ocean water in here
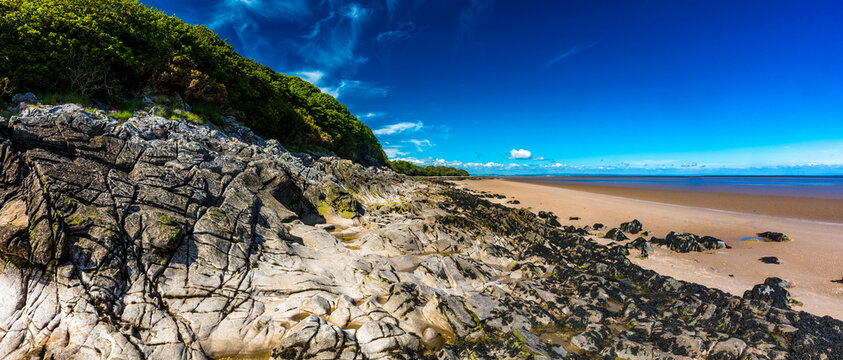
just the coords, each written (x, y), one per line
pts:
(822, 187)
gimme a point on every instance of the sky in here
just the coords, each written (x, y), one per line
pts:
(565, 87)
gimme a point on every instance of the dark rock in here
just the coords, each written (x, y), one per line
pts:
(770, 260)
(641, 245)
(545, 214)
(573, 218)
(632, 227)
(774, 236)
(25, 97)
(687, 242)
(513, 202)
(616, 234)
(837, 281)
(598, 227)
(772, 291)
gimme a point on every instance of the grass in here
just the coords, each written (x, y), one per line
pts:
(208, 112)
(122, 115)
(61, 98)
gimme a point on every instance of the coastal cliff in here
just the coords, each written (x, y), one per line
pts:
(152, 238)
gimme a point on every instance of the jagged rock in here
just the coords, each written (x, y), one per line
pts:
(641, 245)
(632, 227)
(774, 236)
(598, 227)
(153, 239)
(772, 291)
(687, 242)
(616, 234)
(732, 348)
(770, 260)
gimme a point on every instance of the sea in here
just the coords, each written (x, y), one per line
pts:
(822, 187)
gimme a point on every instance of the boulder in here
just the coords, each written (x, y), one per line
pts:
(774, 236)
(641, 245)
(772, 291)
(616, 235)
(632, 227)
(770, 260)
(687, 242)
(598, 227)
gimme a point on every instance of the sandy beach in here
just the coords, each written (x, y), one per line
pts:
(811, 260)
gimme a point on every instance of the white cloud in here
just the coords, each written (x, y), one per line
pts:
(394, 152)
(400, 127)
(421, 144)
(356, 87)
(312, 77)
(371, 115)
(519, 154)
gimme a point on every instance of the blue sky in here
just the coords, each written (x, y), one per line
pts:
(557, 87)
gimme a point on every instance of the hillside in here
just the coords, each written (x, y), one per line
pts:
(112, 51)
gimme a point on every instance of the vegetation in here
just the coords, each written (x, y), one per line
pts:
(408, 168)
(111, 50)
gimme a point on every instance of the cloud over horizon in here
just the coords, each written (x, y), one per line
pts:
(520, 154)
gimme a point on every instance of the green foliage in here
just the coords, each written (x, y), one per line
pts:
(122, 115)
(113, 49)
(64, 98)
(207, 111)
(408, 168)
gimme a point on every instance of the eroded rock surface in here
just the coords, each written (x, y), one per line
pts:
(155, 239)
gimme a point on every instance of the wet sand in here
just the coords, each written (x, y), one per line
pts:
(811, 260)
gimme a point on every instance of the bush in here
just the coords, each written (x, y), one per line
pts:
(113, 49)
(408, 168)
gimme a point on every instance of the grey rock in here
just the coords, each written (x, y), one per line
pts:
(25, 97)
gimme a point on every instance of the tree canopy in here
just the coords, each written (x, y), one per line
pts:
(408, 168)
(117, 49)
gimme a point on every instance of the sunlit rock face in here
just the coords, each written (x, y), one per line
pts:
(164, 240)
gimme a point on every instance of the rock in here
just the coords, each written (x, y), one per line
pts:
(772, 291)
(641, 245)
(616, 235)
(29, 98)
(687, 242)
(632, 227)
(598, 227)
(732, 348)
(770, 260)
(774, 236)
(152, 238)
(573, 218)
(838, 281)
(545, 214)
(513, 202)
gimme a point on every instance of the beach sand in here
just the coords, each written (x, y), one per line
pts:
(811, 260)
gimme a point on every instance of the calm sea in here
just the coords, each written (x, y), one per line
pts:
(830, 187)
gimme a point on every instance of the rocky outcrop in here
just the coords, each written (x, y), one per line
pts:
(774, 236)
(773, 291)
(632, 227)
(158, 239)
(616, 234)
(687, 242)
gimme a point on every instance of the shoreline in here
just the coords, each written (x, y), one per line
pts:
(825, 210)
(811, 260)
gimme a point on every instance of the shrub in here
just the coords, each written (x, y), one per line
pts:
(408, 168)
(113, 49)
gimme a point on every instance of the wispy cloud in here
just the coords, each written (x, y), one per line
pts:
(393, 152)
(421, 144)
(520, 154)
(570, 52)
(371, 115)
(404, 31)
(399, 127)
(313, 77)
(357, 88)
